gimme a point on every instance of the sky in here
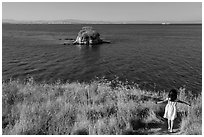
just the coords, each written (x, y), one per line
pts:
(103, 11)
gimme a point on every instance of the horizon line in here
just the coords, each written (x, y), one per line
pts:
(122, 21)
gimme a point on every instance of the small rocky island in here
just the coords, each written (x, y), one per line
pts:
(87, 36)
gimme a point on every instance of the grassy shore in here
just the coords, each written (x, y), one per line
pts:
(95, 108)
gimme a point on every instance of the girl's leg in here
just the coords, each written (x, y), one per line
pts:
(172, 124)
(169, 124)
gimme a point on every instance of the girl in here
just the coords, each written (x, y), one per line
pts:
(170, 109)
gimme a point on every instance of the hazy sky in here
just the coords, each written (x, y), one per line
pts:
(103, 11)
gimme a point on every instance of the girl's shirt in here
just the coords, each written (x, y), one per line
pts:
(173, 103)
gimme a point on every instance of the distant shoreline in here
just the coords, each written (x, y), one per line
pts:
(104, 24)
(78, 21)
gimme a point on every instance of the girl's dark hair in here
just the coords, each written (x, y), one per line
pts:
(172, 94)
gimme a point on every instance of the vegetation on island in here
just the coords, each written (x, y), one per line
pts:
(97, 108)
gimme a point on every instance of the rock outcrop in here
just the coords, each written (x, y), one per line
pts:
(88, 36)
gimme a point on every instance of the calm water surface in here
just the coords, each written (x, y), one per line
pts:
(156, 57)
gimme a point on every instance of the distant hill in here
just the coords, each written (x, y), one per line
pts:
(67, 21)
(75, 21)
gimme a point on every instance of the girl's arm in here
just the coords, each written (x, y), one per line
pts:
(179, 101)
(162, 101)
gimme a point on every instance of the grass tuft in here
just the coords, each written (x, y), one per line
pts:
(85, 109)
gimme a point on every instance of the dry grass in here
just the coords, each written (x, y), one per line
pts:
(96, 108)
